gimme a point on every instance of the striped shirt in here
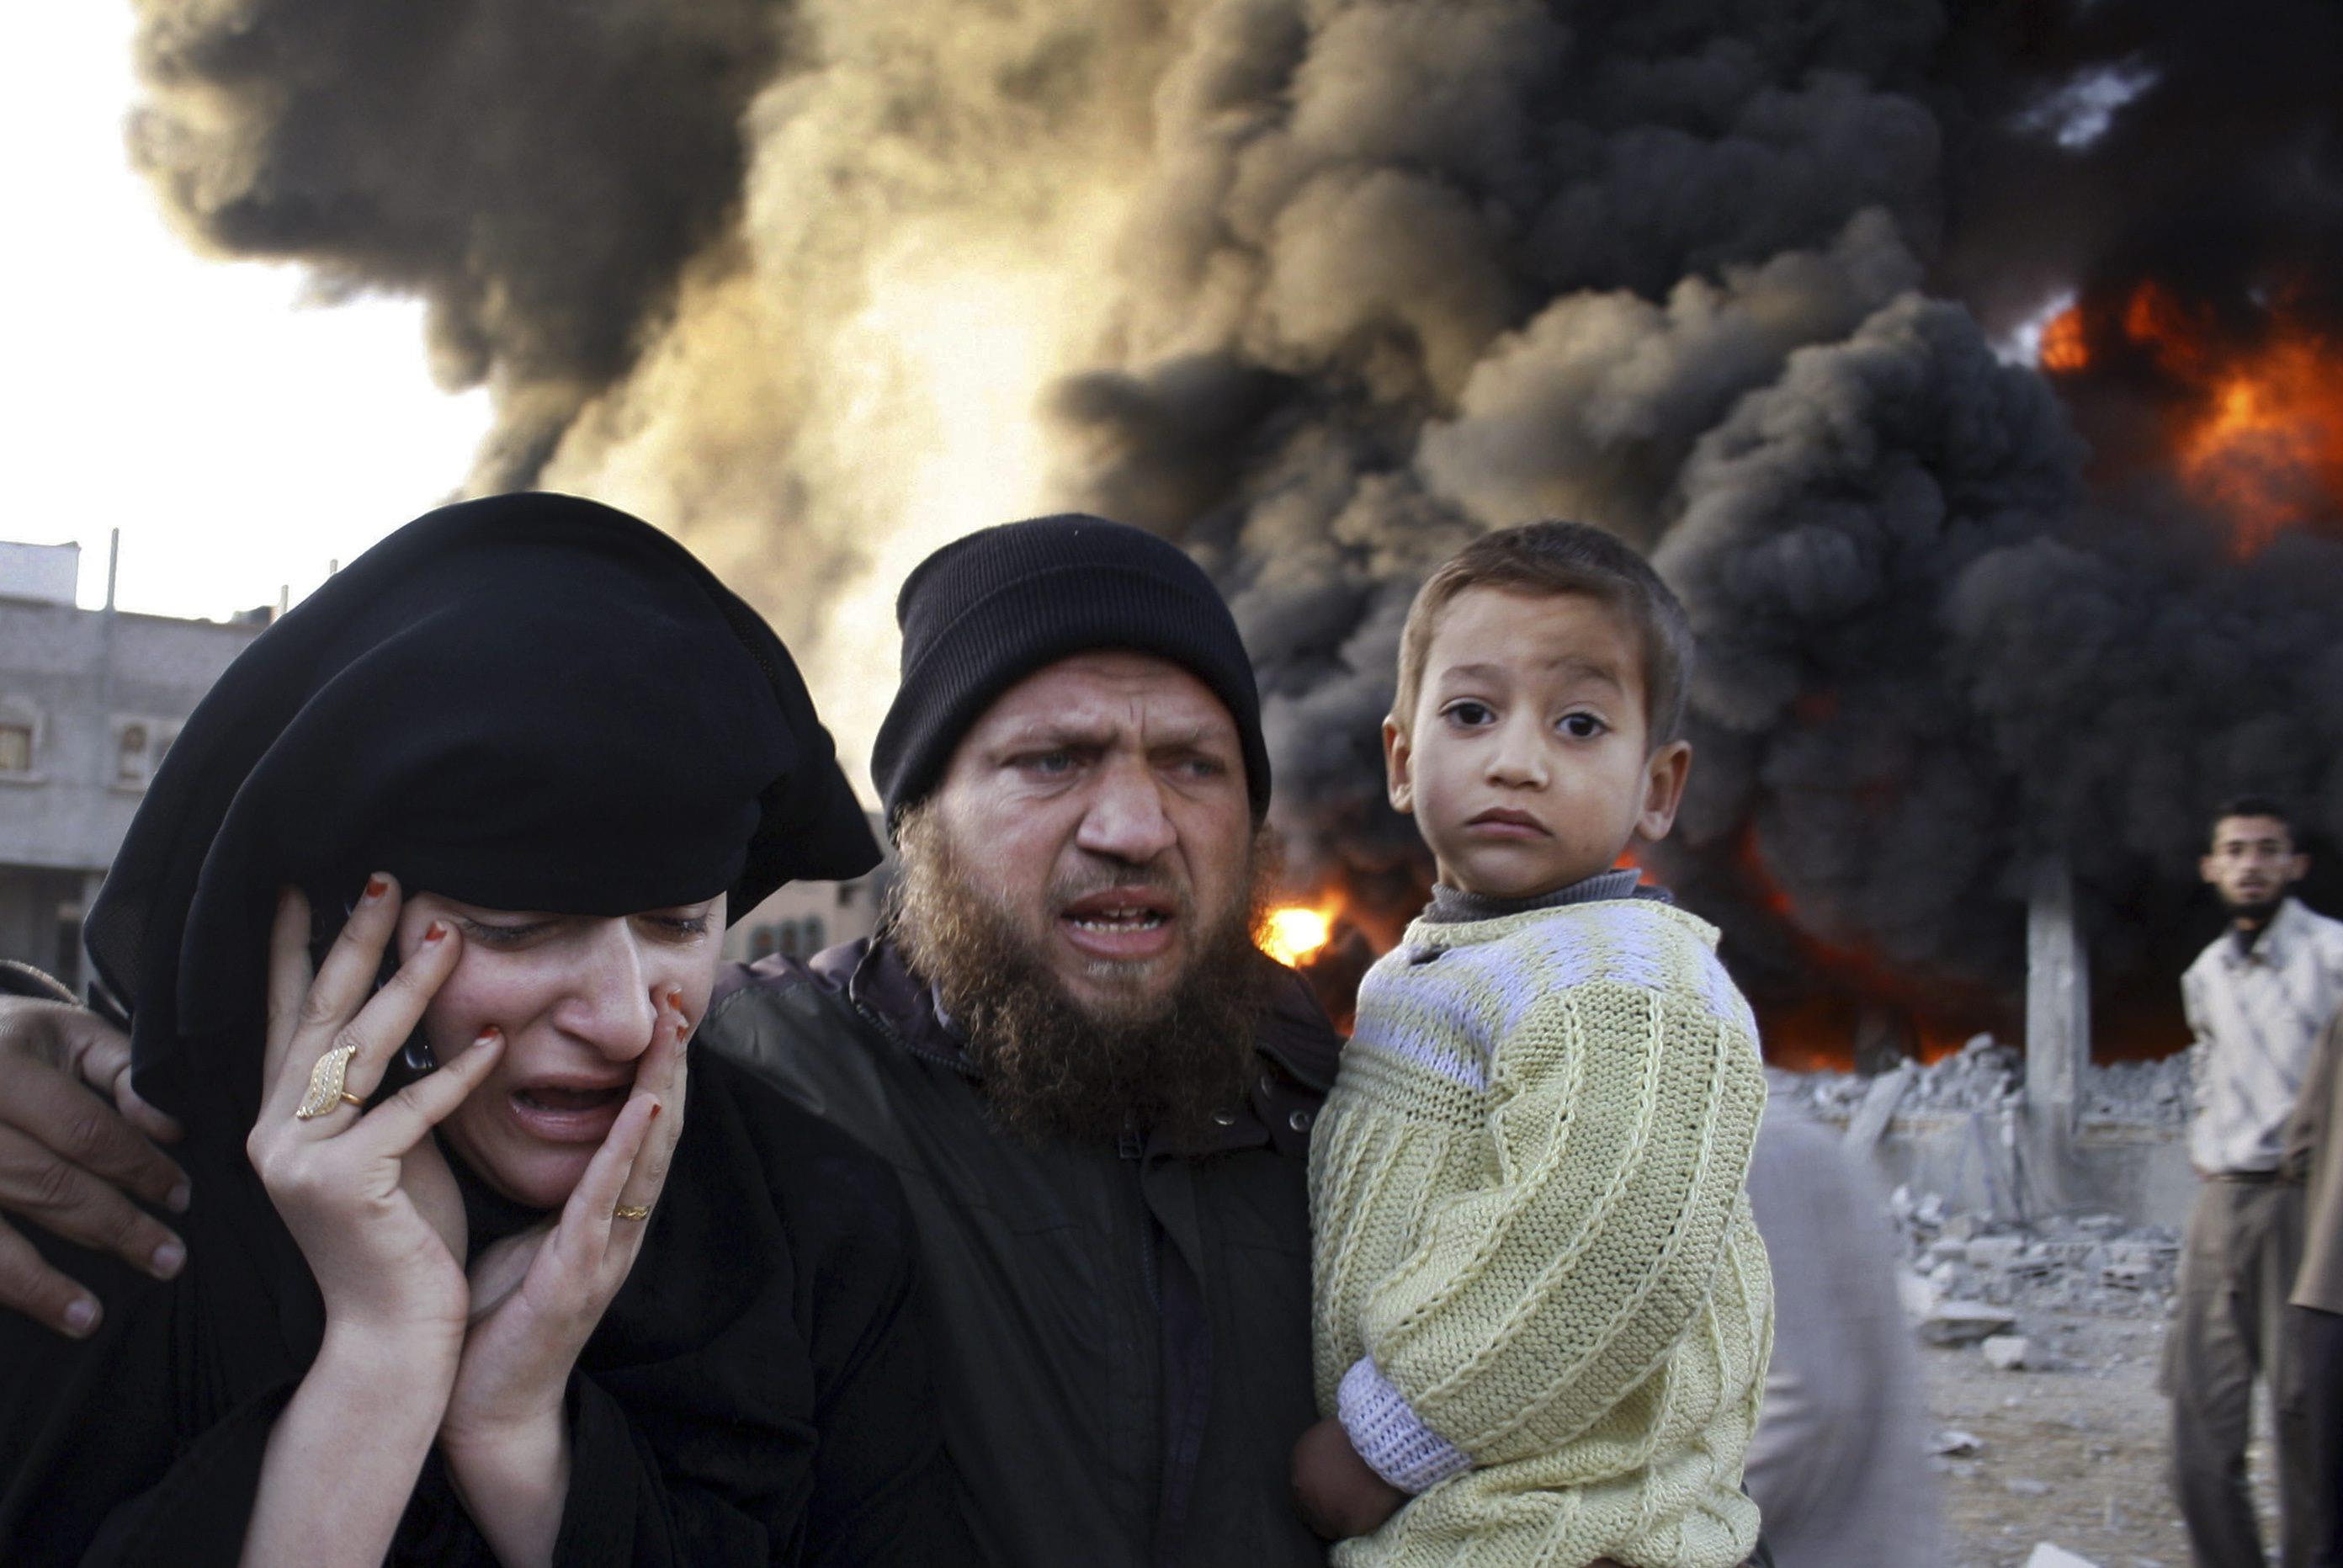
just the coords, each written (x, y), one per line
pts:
(2255, 1015)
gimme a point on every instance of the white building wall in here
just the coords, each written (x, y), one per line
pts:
(100, 695)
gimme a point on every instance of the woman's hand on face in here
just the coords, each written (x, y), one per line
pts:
(365, 1194)
(537, 1297)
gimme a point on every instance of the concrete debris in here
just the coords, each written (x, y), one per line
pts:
(1870, 1120)
(1963, 1322)
(2153, 1093)
(1953, 1442)
(1986, 1075)
(2046, 1555)
(2007, 1353)
(2088, 1263)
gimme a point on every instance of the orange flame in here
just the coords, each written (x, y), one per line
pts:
(1293, 934)
(2065, 348)
(2257, 432)
(2271, 453)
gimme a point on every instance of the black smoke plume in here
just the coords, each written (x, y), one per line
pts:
(1321, 289)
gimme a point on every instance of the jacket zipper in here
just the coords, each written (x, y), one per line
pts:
(1130, 1146)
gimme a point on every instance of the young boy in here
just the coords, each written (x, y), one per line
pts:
(1543, 1309)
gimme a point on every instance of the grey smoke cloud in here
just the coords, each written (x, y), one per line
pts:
(1321, 288)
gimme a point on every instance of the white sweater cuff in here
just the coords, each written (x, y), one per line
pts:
(1389, 1436)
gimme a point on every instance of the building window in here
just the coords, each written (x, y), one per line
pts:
(15, 747)
(139, 745)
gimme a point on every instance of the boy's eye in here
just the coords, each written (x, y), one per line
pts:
(1582, 726)
(1472, 715)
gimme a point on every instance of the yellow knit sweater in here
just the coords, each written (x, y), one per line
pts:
(1542, 1303)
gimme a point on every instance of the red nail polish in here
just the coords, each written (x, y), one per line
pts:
(376, 887)
(656, 1108)
(675, 998)
(435, 931)
(488, 1035)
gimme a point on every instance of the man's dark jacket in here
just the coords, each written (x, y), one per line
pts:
(1121, 1333)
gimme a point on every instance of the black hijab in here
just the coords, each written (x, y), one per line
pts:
(528, 702)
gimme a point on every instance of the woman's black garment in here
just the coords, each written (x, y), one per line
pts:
(757, 1392)
(528, 702)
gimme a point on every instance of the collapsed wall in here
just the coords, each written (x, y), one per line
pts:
(1962, 1132)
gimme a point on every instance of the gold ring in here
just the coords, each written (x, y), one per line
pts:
(631, 1212)
(349, 1098)
(326, 1084)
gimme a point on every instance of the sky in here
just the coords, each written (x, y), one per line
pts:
(241, 438)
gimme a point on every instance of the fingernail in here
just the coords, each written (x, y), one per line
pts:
(376, 887)
(656, 1108)
(675, 998)
(489, 1036)
(181, 1196)
(435, 931)
(81, 1317)
(682, 1029)
(168, 1259)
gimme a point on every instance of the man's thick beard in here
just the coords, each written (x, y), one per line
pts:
(1053, 1068)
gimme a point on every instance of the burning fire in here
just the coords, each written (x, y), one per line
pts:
(1852, 995)
(1292, 934)
(2258, 432)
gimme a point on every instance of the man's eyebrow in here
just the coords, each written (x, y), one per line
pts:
(1053, 732)
(1198, 735)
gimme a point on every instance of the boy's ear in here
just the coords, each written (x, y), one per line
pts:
(1396, 757)
(1664, 785)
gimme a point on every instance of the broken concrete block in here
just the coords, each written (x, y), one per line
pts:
(1879, 1102)
(2008, 1352)
(2049, 1556)
(1996, 1251)
(1963, 1322)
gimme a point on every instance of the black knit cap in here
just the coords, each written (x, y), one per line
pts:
(986, 612)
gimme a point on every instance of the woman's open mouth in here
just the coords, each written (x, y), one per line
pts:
(564, 1113)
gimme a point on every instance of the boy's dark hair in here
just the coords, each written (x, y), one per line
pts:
(1553, 557)
(2256, 806)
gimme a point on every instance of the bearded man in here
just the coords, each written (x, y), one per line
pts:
(2257, 1000)
(1097, 1092)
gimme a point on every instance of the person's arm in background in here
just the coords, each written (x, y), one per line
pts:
(2310, 1122)
(2200, 1051)
(78, 1154)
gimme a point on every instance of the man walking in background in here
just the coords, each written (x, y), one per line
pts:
(2257, 1000)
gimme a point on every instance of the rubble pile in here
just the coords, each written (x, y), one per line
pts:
(1986, 1075)
(2154, 1093)
(2088, 1263)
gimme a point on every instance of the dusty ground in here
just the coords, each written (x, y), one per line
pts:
(2073, 1454)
